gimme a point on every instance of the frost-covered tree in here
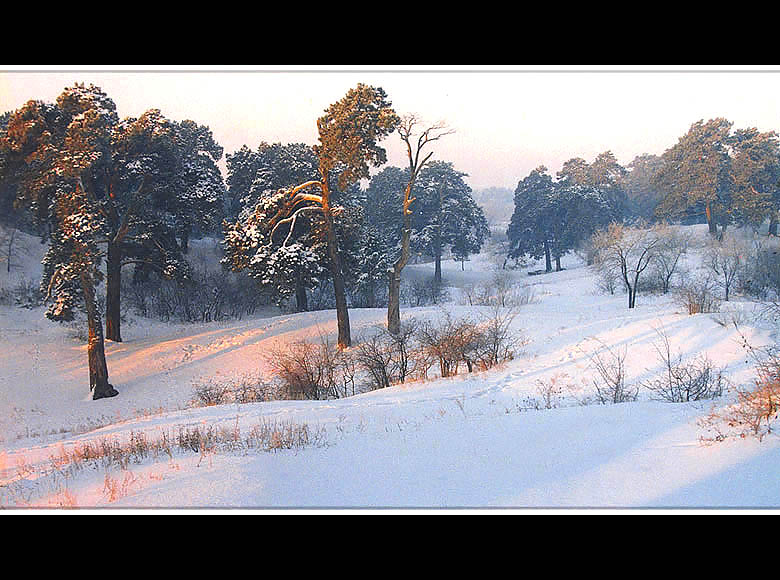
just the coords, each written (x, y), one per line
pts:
(198, 205)
(148, 178)
(552, 218)
(284, 265)
(755, 166)
(605, 174)
(642, 194)
(349, 135)
(446, 215)
(72, 271)
(46, 149)
(530, 231)
(695, 175)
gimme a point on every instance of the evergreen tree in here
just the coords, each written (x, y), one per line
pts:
(531, 230)
(284, 266)
(149, 179)
(447, 215)
(552, 218)
(642, 194)
(756, 170)
(349, 133)
(696, 174)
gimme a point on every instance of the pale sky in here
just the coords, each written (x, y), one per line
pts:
(507, 119)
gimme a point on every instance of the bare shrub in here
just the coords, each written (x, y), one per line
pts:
(25, 294)
(479, 345)
(423, 292)
(673, 244)
(498, 290)
(727, 259)
(246, 388)
(684, 381)
(761, 276)
(387, 358)
(698, 296)
(610, 365)
(496, 342)
(374, 354)
(313, 370)
(552, 390)
(448, 341)
(756, 410)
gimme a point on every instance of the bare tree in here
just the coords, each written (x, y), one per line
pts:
(414, 149)
(672, 245)
(628, 251)
(726, 258)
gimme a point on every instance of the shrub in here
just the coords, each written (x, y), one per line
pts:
(387, 358)
(478, 345)
(313, 370)
(698, 296)
(681, 381)
(247, 388)
(755, 410)
(611, 386)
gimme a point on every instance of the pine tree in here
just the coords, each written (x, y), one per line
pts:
(531, 230)
(349, 133)
(72, 272)
(447, 215)
(284, 265)
(552, 218)
(696, 174)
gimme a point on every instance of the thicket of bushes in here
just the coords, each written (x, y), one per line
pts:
(446, 346)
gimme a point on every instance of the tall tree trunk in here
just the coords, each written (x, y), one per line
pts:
(301, 302)
(547, 260)
(773, 223)
(113, 291)
(437, 268)
(96, 354)
(557, 263)
(339, 289)
(711, 223)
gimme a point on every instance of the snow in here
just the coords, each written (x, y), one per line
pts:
(476, 441)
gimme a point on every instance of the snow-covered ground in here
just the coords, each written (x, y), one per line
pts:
(470, 441)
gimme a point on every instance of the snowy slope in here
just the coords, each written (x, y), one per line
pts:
(471, 441)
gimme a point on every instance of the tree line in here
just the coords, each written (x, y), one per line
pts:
(714, 173)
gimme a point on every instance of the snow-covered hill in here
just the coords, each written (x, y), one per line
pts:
(481, 440)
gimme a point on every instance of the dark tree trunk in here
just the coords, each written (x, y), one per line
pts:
(96, 354)
(557, 263)
(342, 312)
(773, 223)
(394, 302)
(547, 260)
(113, 292)
(437, 268)
(301, 301)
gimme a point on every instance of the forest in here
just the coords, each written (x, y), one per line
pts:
(311, 227)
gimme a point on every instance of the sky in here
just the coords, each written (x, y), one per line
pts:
(506, 119)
